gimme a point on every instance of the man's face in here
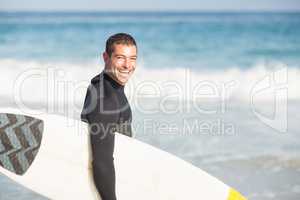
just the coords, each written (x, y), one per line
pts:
(122, 62)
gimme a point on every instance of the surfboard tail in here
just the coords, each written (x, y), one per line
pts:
(20, 140)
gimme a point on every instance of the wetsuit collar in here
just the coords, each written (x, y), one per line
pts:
(114, 83)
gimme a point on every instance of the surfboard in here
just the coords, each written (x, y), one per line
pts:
(46, 154)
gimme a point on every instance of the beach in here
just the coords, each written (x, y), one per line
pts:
(219, 90)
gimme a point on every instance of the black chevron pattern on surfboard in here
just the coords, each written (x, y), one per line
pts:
(20, 140)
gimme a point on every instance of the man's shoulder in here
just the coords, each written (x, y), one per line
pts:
(97, 80)
(96, 86)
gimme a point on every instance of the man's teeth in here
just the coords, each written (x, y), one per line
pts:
(124, 72)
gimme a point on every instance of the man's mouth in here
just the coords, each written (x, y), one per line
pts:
(124, 72)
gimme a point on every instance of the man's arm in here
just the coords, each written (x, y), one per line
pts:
(102, 145)
(89, 103)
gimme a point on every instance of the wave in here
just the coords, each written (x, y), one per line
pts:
(64, 83)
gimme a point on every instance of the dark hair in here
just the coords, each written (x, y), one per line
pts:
(119, 38)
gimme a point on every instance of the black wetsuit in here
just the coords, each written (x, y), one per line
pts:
(106, 110)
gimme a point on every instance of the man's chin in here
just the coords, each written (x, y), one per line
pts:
(122, 81)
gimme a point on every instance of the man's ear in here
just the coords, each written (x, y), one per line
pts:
(105, 56)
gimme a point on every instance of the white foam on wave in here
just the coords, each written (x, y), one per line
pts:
(236, 83)
(60, 84)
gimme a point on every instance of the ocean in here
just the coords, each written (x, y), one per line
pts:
(217, 89)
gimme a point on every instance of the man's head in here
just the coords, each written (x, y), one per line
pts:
(120, 57)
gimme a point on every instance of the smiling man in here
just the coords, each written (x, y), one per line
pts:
(107, 110)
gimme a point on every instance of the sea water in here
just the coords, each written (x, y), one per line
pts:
(219, 90)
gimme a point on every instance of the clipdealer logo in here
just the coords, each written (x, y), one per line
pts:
(276, 84)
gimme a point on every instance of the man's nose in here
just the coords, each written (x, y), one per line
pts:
(127, 63)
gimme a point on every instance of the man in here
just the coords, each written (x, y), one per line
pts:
(107, 110)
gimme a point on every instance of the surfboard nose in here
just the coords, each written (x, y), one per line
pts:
(235, 195)
(20, 140)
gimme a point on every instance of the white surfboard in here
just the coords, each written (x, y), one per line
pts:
(61, 168)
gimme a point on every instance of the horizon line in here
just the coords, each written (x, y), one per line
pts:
(155, 11)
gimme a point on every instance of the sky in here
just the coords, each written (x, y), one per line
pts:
(150, 5)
